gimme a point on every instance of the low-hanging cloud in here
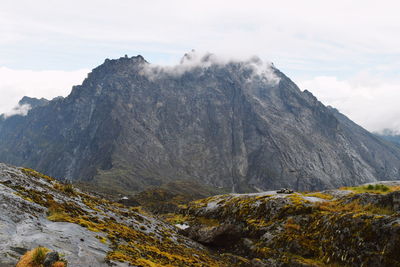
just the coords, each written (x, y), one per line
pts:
(14, 84)
(204, 60)
(368, 99)
(21, 110)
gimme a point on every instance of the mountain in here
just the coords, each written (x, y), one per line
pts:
(389, 135)
(33, 102)
(238, 125)
(23, 107)
(392, 138)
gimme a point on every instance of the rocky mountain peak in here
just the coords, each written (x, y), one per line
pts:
(122, 62)
(33, 102)
(237, 124)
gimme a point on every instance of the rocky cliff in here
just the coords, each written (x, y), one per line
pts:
(239, 125)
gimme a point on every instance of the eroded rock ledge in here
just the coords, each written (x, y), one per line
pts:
(358, 226)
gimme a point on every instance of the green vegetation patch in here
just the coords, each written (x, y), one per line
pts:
(128, 243)
(375, 189)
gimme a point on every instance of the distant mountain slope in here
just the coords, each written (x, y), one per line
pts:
(241, 125)
(392, 138)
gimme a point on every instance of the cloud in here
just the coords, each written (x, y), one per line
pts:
(21, 110)
(14, 84)
(320, 43)
(286, 32)
(368, 99)
(204, 60)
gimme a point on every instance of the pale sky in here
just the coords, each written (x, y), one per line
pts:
(345, 52)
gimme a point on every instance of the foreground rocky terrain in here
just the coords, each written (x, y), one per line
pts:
(357, 226)
(36, 210)
(354, 226)
(239, 125)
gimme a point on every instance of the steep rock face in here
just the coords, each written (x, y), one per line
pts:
(238, 125)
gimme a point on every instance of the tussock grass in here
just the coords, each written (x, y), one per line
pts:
(66, 188)
(33, 258)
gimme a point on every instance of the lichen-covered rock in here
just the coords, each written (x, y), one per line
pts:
(222, 235)
(37, 210)
(350, 228)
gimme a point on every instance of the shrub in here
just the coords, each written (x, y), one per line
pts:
(66, 188)
(371, 188)
(69, 189)
(39, 255)
(33, 258)
(377, 187)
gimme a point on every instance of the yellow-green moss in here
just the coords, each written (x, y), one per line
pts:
(312, 235)
(36, 174)
(376, 189)
(126, 243)
(319, 195)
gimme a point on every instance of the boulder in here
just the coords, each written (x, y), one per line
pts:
(51, 258)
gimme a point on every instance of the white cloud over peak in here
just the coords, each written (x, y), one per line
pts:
(321, 44)
(194, 59)
(21, 110)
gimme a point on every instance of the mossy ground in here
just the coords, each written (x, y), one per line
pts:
(334, 231)
(133, 235)
(329, 232)
(373, 188)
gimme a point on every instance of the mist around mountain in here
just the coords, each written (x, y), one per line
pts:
(238, 125)
(390, 135)
(24, 105)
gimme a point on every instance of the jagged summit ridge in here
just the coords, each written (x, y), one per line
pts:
(237, 124)
(32, 101)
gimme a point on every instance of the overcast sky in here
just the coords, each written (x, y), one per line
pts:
(345, 52)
